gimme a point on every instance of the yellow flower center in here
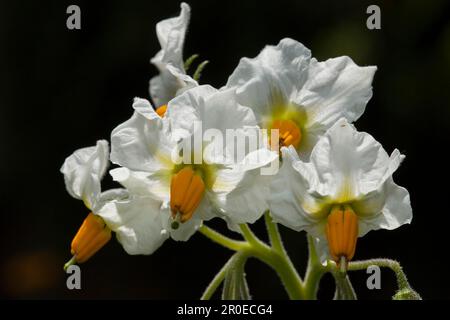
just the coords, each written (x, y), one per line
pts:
(161, 111)
(342, 232)
(91, 237)
(186, 192)
(289, 133)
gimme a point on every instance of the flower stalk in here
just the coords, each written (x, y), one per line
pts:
(218, 279)
(402, 280)
(255, 248)
(314, 271)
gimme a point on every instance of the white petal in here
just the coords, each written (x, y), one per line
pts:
(163, 87)
(211, 120)
(168, 84)
(112, 195)
(222, 111)
(214, 109)
(185, 230)
(171, 33)
(248, 200)
(142, 143)
(186, 109)
(144, 108)
(336, 88)
(351, 164)
(181, 75)
(169, 60)
(272, 77)
(242, 190)
(156, 185)
(389, 207)
(83, 171)
(137, 223)
(291, 202)
(207, 208)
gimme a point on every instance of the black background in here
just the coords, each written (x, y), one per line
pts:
(63, 89)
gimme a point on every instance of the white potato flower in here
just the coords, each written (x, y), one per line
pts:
(169, 60)
(239, 186)
(83, 172)
(193, 184)
(298, 95)
(343, 192)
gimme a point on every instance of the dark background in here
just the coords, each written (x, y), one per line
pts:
(63, 89)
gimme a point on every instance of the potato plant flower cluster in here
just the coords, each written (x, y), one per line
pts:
(277, 142)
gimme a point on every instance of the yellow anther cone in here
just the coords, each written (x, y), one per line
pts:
(289, 133)
(342, 232)
(186, 192)
(161, 111)
(91, 237)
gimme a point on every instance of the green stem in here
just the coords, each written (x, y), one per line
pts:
(279, 261)
(344, 288)
(218, 238)
(278, 248)
(314, 271)
(274, 233)
(253, 247)
(402, 280)
(250, 237)
(69, 263)
(283, 267)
